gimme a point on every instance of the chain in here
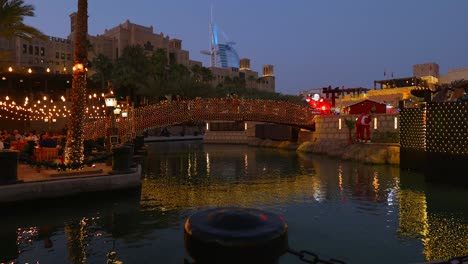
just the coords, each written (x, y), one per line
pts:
(455, 260)
(461, 260)
(304, 255)
(309, 257)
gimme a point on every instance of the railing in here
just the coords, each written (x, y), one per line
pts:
(198, 110)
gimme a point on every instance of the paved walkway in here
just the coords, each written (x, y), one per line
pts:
(172, 138)
(27, 173)
(50, 183)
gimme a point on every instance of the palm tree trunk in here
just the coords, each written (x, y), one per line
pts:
(74, 151)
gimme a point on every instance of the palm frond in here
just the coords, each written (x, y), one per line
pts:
(12, 14)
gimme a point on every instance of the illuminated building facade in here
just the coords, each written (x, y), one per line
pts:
(113, 41)
(52, 55)
(232, 75)
(55, 55)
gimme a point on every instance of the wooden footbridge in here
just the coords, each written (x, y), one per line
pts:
(204, 110)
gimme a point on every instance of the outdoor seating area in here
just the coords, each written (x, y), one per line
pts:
(32, 147)
(17, 145)
(45, 154)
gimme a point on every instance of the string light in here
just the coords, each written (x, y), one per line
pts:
(144, 118)
(436, 128)
(43, 107)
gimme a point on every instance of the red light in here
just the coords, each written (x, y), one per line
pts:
(264, 217)
(324, 108)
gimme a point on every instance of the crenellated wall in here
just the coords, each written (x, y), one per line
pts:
(390, 96)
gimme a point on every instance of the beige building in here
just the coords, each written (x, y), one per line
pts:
(266, 82)
(113, 41)
(454, 75)
(53, 55)
(430, 71)
(426, 69)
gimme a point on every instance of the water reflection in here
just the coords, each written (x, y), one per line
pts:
(66, 230)
(345, 210)
(435, 213)
(237, 175)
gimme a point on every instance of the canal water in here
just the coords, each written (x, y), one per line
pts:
(344, 210)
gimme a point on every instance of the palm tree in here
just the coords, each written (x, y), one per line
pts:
(207, 75)
(131, 71)
(12, 13)
(74, 150)
(179, 80)
(196, 73)
(351, 125)
(103, 67)
(157, 76)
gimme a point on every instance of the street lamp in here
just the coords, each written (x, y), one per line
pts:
(124, 115)
(111, 103)
(117, 111)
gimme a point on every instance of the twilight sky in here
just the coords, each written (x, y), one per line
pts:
(311, 43)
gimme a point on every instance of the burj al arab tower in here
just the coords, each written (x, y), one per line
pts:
(221, 52)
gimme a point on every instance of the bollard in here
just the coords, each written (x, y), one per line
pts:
(132, 150)
(235, 235)
(9, 165)
(139, 142)
(131, 145)
(121, 159)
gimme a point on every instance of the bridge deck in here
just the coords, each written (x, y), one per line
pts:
(199, 110)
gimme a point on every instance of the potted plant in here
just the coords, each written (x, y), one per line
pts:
(350, 124)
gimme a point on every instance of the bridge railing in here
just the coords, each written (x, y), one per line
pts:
(198, 110)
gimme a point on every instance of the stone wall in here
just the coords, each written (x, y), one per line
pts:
(232, 137)
(388, 154)
(374, 153)
(328, 139)
(333, 127)
(225, 137)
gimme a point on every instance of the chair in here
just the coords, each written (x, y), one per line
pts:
(14, 145)
(46, 154)
(20, 145)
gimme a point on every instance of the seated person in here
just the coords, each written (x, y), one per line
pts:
(47, 141)
(8, 138)
(17, 135)
(32, 136)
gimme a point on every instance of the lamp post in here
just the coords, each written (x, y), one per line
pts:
(117, 111)
(111, 103)
(126, 122)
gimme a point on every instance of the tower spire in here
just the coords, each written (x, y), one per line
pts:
(221, 53)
